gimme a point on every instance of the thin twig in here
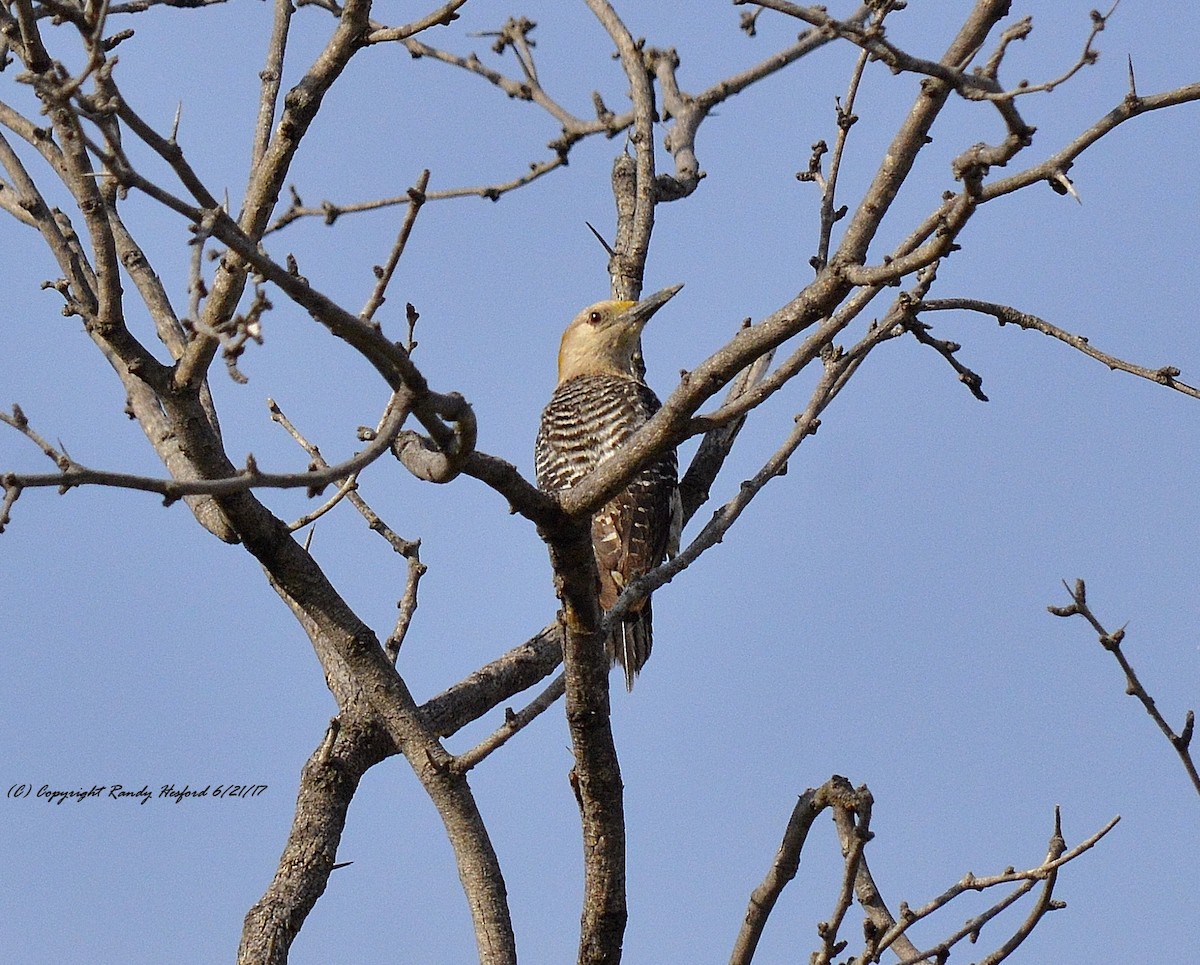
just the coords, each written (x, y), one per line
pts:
(1057, 855)
(330, 212)
(686, 112)
(846, 119)
(947, 349)
(1055, 167)
(272, 78)
(416, 198)
(513, 723)
(348, 486)
(980, 85)
(402, 546)
(407, 605)
(1111, 642)
(443, 15)
(409, 549)
(1045, 903)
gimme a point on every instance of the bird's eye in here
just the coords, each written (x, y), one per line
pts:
(594, 317)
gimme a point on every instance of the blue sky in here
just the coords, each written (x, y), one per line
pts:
(879, 612)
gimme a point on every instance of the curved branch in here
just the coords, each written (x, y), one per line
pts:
(1005, 315)
(441, 17)
(786, 863)
(688, 112)
(434, 463)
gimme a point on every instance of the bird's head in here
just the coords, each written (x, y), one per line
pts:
(604, 338)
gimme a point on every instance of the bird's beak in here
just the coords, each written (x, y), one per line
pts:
(639, 314)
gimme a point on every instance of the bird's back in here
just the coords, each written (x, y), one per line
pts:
(586, 422)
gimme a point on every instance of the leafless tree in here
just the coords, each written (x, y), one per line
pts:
(75, 152)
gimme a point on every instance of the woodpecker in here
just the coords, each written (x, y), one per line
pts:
(600, 401)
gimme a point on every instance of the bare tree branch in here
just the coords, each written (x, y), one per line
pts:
(852, 818)
(1057, 855)
(684, 111)
(267, 178)
(1164, 375)
(1111, 642)
(981, 85)
(272, 78)
(687, 111)
(513, 722)
(330, 212)
(446, 14)
(633, 231)
(416, 198)
(74, 474)
(787, 862)
(89, 119)
(409, 549)
(1054, 169)
(851, 812)
(839, 367)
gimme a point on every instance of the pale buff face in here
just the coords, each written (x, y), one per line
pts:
(602, 339)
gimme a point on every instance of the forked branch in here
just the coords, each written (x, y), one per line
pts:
(884, 931)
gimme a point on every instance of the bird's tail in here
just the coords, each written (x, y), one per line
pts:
(630, 642)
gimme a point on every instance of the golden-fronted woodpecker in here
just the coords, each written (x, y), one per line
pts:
(600, 401)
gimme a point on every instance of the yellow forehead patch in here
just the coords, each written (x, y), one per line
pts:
(608, 308)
